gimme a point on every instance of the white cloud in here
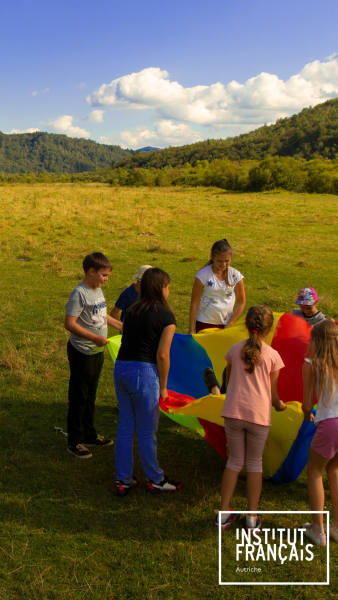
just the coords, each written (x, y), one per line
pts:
(36, 93)
(104, 140)
(261, 99)
(30, 130)
(64, 125)
(164, 133)
(96, 116)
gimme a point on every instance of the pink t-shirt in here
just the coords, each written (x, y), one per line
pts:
(248, 395)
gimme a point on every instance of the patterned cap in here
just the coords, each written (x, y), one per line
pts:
(307, 296)
(141, 271)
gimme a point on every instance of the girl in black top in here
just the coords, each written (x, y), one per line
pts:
(140, 377)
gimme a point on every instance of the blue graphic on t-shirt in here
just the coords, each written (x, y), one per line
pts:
(99, 313)
(210, 283)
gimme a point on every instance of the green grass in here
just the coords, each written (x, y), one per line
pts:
(64, 535)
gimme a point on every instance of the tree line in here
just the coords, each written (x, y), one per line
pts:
(39, 152)
(285, 173)
(310, 134)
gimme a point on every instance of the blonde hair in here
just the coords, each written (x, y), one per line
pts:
(324, 364)
(258, 321)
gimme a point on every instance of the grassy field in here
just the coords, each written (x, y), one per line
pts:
(64, 535)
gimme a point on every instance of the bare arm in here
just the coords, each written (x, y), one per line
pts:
(114, 322)
(115, 312)
(72, 326)
(196, 294)
(162, 358)
(240, 303)
(307, 405)
(277, 403)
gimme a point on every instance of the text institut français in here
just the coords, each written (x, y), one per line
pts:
(279, 544)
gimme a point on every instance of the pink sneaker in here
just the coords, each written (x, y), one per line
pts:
(232, 518)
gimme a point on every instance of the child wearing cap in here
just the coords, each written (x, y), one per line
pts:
(129, 296)
(307, 299)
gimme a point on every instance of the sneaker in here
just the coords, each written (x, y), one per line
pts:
(317, 538)
(209, 379)
(164, 486)
(333, 532)
(229, 521)
(79, 451)
(258, 525)
(122, 489)
(99, 442)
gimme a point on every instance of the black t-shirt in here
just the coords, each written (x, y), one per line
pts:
(142, 333)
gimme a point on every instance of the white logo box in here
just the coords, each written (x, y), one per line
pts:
(278, 512)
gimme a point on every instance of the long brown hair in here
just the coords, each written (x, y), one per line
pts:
(324, 365)
(152, 284)
(220, 247)
(258, 321)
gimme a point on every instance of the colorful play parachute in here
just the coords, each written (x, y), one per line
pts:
(287, 447)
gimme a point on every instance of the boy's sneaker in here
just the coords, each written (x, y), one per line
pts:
(99, 442)
(232, 518)
(257, 525)
(79, 451)
(122, 489)
(209, 379)
(164, 486)
(317, 538)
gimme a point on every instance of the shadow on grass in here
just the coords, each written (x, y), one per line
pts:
(60, 517)
(42, 486)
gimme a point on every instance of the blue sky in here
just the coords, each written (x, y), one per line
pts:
(181, 71)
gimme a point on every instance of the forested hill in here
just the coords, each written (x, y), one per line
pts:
(36, 152)
(310, 134)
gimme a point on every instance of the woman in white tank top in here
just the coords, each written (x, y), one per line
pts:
(216, 289)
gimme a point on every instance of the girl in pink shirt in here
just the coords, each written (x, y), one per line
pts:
(252, 374)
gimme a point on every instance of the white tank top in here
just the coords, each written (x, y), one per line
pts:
(218, 298)
(327, 408)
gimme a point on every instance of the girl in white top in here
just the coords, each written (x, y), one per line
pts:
(216, 289)
(320, 376)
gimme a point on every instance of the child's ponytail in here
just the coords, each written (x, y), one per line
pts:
(258, 321)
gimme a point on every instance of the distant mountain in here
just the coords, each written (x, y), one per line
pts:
(311, 133)
(36, 152)
(147, 149)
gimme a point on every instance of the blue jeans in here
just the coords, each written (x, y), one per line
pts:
(137, 389)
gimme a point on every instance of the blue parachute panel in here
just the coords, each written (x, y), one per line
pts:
(187, 362)
(297, 458)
